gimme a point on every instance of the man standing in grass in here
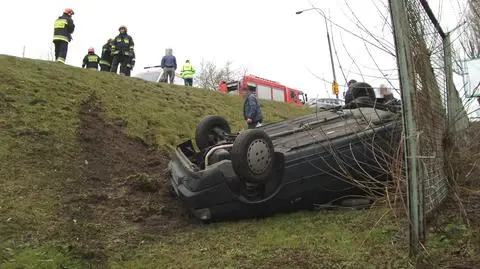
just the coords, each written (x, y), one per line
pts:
(187, 73)
(251, 109)
(169, 65)
(122, 48)
(91, 60)
(62, 34)
(106, 58)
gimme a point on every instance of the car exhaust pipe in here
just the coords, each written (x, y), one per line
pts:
(212, 150)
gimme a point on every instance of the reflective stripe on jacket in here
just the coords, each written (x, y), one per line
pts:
(106, 58)
(63, 28)
(131, 60)
(91, 61)
(122, 44)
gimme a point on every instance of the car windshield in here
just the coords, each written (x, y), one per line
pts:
(150, 76)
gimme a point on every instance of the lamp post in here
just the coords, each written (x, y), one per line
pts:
(334, 84)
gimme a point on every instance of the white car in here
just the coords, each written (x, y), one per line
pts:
(325, 103)
(154, 74)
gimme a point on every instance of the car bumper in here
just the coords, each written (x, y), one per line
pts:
(207, 193)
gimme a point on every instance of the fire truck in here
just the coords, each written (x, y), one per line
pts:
(265, 89)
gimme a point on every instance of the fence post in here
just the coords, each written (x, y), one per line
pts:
(402, 46)
(451, 115)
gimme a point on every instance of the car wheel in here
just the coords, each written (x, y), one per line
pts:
(253, 156)
(205, 136)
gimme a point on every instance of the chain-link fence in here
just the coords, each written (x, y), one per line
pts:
(432, 107)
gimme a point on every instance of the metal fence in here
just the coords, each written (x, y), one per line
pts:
(432, 108)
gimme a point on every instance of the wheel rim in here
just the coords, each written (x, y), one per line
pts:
(258, 156)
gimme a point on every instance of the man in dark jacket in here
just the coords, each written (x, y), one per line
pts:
(131, 64)
(169, 65)
(91, 60)
(251, 110)
(122, 48)
(361, 90)
(106, 59)
(62, 34)
(348, 93)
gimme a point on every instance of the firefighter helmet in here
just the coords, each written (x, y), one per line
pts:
(91, 50)
(122, 26)
(69, 11)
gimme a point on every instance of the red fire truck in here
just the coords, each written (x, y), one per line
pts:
(266, 89)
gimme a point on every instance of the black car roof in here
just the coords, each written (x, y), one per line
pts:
(326, 125)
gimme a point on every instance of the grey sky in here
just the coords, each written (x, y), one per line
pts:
(264, 36)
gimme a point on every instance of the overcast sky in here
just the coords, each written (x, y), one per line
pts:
(266, 36)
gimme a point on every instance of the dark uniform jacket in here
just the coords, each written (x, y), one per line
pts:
(131, 62)
(122, 45)
(91, 60)
(63, 28)
(106, 58)
(251, 109)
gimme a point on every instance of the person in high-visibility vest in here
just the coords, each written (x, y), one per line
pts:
(62, 34)
(187, 73)
(91, 60)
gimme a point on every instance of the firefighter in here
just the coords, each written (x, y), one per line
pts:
(62, 34)
(91, 60)
(187, 73)
(130, 64)
(106, 59)
(122, 48)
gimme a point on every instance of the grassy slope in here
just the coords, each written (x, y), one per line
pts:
(39, 104)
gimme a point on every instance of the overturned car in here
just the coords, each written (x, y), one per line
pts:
(329, 157)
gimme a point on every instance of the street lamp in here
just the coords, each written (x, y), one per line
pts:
(334, 84)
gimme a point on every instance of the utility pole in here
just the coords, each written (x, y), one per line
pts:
(335, 88)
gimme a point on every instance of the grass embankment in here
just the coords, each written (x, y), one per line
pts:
(83, 184)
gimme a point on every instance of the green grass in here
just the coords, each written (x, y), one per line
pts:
(301, 240)
(39, 156)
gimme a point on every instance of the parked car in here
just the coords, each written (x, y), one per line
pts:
(328, 157)
(325, 103)
(154, 74)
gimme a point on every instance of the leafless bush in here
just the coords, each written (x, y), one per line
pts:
(210, 75)
(464, 160)
(471, 39)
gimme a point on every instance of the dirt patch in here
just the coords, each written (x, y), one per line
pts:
(120, 194)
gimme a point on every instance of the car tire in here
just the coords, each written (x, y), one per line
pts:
(253, 156)
(204, 132)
